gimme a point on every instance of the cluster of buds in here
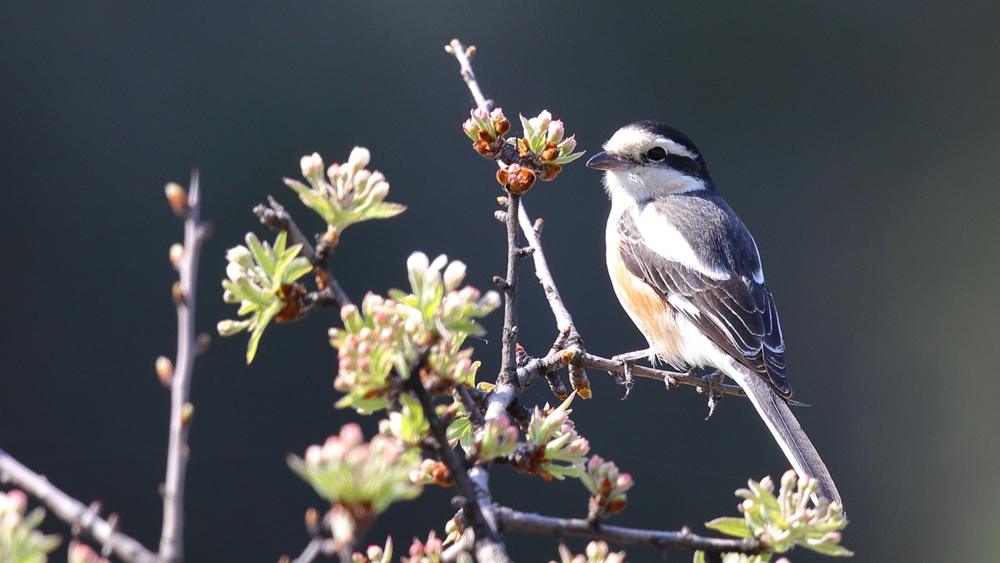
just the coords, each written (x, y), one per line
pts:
(261, 279)
(359, 479)
(369, 347)
(516, 179)
(553, 448)
(540, 153)
(19, 538)
(596, 552)
(486, 129)
(425, 552)
(387, 335)
(607, 486)
(431, 472)
(788, 519)
(496, 438)
(349, 193)
(543, 138)
(375, 554)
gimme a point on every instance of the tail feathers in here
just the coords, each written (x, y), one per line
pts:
(787, 432)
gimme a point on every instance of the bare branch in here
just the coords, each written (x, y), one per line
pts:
(509, 341)
(318, 546)
(172, 538)
(704, 383)
(463, 55)
(275, 217)
(532, 234)
(73, 511)
(511, 520)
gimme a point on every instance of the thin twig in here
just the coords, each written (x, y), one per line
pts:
(670, 378)
(318, 546)
(463, 55)
(471, 484)
(508, 364)
(74, 512)
(563, 318)
(275, 217)
(172, 537)
(511, 520)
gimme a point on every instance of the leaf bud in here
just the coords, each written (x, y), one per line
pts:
(164, 370)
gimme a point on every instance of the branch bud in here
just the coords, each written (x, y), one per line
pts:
(177, 197)
(164, 370)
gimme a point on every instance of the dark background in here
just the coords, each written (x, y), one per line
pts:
(857, 140)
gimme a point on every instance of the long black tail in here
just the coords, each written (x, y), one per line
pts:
(787, 432)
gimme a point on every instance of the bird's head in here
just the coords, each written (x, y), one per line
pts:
(647, 159)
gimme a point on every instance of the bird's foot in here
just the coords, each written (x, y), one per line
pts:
(714, 390)
(628, 360)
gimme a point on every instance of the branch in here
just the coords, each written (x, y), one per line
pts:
(318, 546)
(74, 512)
(511, 520)
(463, 55)
(275, 217)
(532, 232)
(195, 232)
(706, 383)
(471, 484)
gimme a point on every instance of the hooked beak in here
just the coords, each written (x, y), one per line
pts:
(609, 161)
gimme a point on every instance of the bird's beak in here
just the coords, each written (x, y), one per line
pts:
(608, 161)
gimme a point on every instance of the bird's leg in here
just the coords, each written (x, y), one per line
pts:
(715, 390)
(628, 360)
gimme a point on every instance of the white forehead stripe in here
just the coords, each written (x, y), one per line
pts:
(632, 141)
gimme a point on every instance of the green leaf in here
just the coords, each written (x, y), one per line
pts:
(384, 210)
(699, 557)
(261, 320)
(730, 526)
(568, 158)
(831, 549)
(299, 267)
(256, 248)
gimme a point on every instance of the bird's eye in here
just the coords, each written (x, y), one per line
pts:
(656, 154)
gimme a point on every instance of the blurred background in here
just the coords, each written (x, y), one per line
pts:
(858, 141)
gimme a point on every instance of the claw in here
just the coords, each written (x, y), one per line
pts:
(628, 360)
(715, 391)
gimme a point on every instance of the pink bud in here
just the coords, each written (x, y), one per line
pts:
(348, 311)
(351, 434)
(556, 131)
(314, 455)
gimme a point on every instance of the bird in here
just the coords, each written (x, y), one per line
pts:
(688, 274)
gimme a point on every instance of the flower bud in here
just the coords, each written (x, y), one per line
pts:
(555, 132)
(490, 301)
(417, 264)
(453, 275)
(230, 327)
(359, 158)
(379, 191)
(235, 272)
(311, 165)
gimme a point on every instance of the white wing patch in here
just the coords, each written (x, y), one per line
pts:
(682, 303)
(664, 239)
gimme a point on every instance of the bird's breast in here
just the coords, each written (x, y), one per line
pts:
(653, 316)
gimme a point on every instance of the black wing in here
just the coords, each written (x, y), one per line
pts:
(737, 313)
